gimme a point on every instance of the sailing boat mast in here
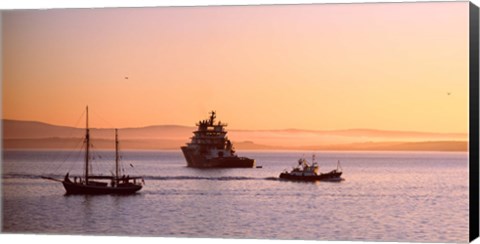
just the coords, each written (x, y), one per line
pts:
(116, 156)
(87, 141)
(84, 186)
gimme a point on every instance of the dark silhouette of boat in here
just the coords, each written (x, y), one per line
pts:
(210, 147)
(306, 172)
(95, 184)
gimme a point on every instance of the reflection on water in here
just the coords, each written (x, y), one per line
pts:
(386, 197)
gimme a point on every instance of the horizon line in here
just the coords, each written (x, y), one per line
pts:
(250, 130)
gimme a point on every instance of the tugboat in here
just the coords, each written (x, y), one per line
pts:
(90, 184)
(306, 172)
(211, 148)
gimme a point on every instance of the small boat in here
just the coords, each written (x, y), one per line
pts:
(306, 172)
(95, 184)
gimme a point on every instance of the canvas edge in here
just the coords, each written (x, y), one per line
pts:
(474, 121)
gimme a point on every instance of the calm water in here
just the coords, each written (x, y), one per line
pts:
(415, 197)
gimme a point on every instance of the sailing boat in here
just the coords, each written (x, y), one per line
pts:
(90, 184)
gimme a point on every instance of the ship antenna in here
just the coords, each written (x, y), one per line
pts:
(212, 118)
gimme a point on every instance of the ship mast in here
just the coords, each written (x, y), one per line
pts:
(212, 118)
(87, 141)
(116, 156)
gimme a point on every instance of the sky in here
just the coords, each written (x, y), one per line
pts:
(401, 66)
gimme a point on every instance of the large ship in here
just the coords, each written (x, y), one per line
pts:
(211, 148)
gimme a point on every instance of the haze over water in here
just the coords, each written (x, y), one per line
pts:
(388, 196)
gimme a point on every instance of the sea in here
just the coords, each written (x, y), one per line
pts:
(385, 196)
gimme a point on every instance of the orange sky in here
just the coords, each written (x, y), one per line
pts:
(317, 67)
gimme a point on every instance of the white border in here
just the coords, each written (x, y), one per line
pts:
(50, 4)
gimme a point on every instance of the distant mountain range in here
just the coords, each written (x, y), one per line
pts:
(31, 134)
(16, 129)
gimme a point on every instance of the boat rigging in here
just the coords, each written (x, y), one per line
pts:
(91, 184)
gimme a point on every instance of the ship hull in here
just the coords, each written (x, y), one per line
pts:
(331, 176)
(198, 161)
(76, 188)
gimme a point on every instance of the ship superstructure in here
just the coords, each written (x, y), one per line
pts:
(211, 148)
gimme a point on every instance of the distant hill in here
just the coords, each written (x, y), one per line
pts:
(31, 134)
(74, 143)
(15, 129)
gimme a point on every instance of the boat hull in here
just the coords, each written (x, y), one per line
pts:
(198, 161)
(331, 176)
(76, 188)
